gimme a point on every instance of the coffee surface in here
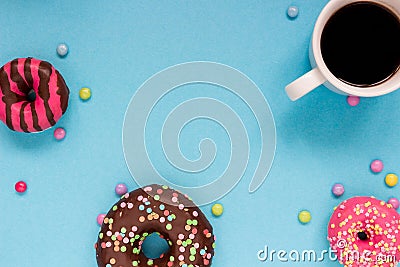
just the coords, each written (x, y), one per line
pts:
(360, 44)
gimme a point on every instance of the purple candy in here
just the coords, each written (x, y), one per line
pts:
(121, 189)
(395, 202)
(338, 190)
(100, 218)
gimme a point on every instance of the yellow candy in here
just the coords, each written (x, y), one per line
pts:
(85, 93)
(391, 179)
(304, 216)
(217, 209)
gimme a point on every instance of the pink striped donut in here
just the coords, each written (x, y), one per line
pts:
(17, 78)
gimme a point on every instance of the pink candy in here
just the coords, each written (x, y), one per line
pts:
(353, 100)
(59, 133)
(394, 202)
(100, 219)
(376, 166)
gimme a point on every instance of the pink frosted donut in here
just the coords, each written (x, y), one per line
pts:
(17, 78)
(364, 231)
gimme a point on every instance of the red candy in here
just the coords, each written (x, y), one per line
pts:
(20, 187)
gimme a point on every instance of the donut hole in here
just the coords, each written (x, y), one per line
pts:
(154, 246)
(31, 95)
(362, 236)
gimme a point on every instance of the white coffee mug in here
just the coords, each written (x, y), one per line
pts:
(320, 74)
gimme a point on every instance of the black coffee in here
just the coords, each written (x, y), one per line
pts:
(360, 44)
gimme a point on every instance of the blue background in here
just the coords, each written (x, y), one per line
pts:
(114, 47)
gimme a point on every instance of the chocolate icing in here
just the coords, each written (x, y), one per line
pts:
(22, 122)
(22, 83)
(17, 78)
(44, 72)
(155, 209)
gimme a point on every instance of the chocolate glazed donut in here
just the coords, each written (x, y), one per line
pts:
(17, 78)
(155, 209)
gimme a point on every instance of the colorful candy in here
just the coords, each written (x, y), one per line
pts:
(59, 133)
(391, 179)
(62, 50)
(20, 186)
(217, 209)
(365, 226)
(100, 218)
(376, 166)
(17, 78)
(394, 202)
(293, 12)
(155, 209)
(121, 189)
(85, 93)
(304, 216)
(353, 100)
(338, 190)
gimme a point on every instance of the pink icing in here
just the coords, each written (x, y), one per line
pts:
(54, 100)
(378, 220)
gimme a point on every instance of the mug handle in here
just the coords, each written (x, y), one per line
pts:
(305, 84)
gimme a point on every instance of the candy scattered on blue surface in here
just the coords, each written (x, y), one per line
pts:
(62, 50)
(376, 166)
(304, 216)
(121, 189)
(100, 218)
(20, 187)
(338, 190)
(59, 133)
(353, 100)
(293, 12)
(217, 209)
(394, 202)
(391, 179)
(85, 93)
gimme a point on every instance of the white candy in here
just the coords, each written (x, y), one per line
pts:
(293, 11)
(62, 50)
